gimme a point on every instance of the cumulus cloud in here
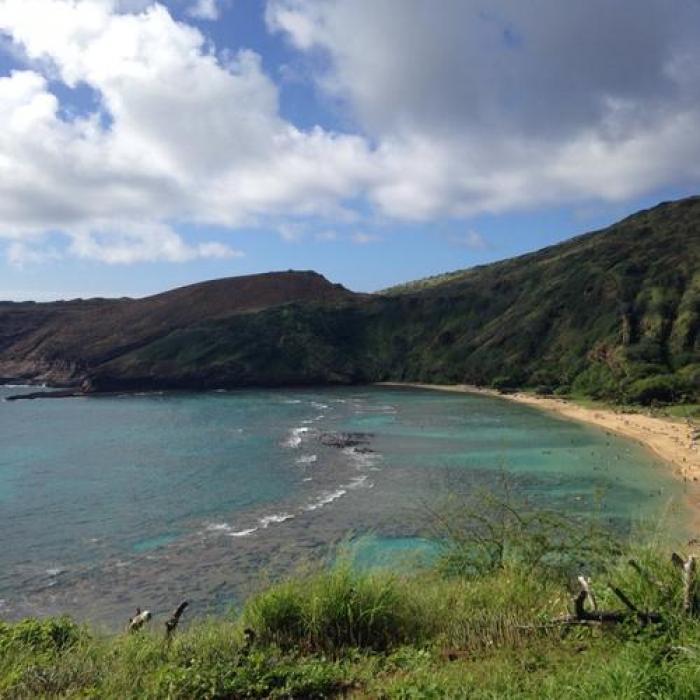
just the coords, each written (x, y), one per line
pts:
(129, 243)
(459, 107)
(186, 138)
(20, 253)
(204, 9)
(486, 106)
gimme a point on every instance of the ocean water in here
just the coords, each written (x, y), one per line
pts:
(109, 503)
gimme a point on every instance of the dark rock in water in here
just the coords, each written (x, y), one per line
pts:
(342, 440)
(63, 394)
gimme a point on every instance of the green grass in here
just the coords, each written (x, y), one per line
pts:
(683, 411)
(345, 633)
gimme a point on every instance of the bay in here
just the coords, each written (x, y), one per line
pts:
(113, 502)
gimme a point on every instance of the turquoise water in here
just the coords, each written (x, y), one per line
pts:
(107, 503)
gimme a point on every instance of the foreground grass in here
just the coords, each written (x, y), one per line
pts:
(381, 635)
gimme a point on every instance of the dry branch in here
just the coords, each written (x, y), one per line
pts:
(688, 581)
(582, 616)
(174, 619)
(138, 620)
(586, 586)
(677, 560)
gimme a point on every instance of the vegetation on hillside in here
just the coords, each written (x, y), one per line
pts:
(611, 315)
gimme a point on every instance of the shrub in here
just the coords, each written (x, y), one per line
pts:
(598, 382)
(490, 531)
(690, 375)
(335, 609)
(505, 384)
(663, 388)
(51, 634)
(647, 350)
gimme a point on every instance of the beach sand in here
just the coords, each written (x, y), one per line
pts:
(676, 442)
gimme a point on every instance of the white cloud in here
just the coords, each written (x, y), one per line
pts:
(20, 254)
(362, 238)
(204, 9)
(291, 232)
(130, 243)
(189, 139)
(492, 106)
(470, 108)
(472, 240)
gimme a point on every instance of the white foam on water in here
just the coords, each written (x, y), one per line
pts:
(275, 518)
(319, 405)
(327, 498)
(243, 533)
(358, 482)
(307, 459)
(362, 460)
(295, 437)
(218, 527)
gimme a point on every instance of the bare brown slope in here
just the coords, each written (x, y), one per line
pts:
(59, 342)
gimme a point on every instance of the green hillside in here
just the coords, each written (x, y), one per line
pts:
(613, 314)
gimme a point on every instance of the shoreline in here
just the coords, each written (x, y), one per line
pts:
(672, 441)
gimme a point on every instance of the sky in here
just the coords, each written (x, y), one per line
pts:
(146, 145)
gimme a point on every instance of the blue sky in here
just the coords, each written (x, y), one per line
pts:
(149, 145)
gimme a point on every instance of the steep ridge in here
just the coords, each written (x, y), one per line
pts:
(614, 313)
(62, 342)
(607, 313)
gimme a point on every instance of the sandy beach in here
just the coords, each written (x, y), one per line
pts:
(673, 441)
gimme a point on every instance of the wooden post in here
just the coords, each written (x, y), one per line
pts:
(688, 581)
(586, 586)
(174, 619)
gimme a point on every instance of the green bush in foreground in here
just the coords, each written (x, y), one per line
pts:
(340, 608)
(53, 634)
